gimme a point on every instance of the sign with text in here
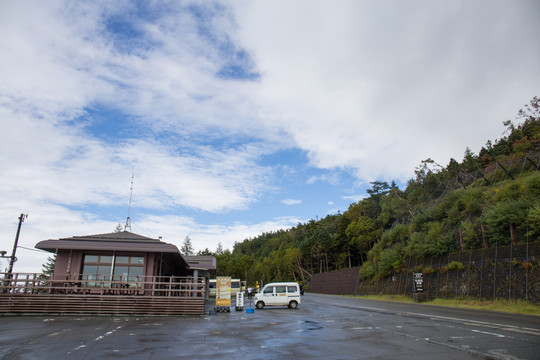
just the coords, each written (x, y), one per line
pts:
(223, 291)
(418, 282)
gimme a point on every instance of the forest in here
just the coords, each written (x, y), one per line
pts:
(486, 199)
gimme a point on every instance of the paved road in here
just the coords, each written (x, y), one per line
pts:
(323, 327)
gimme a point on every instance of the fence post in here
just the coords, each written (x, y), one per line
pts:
(510, 272)
(527, 270)
(495, 271)
(457, 273)
(447, 273)
(481, 275)
(438, 277)
(407, 278)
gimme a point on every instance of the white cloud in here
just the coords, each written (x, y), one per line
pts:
(354, 198)
(378, 87)
(291, 201)
(330, 178)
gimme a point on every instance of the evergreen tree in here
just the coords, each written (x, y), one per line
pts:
(119, 228)
(206, 251)
(219, 249)
(48, 267)
(187, 247)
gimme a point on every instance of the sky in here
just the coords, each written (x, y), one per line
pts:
(228, 119)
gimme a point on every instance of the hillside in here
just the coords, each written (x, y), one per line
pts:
(488, 198)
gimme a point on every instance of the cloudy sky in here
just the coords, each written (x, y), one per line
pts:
(241, 117)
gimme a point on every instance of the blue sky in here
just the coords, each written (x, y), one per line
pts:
(239, 117)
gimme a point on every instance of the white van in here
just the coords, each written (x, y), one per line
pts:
(279, 293)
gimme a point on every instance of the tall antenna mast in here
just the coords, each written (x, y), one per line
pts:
(128, 220)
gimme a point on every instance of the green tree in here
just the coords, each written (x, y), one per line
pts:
(363, 233)
(244, 264)
(48, 267)
(204, 252)
(187, 247)
(219, 249)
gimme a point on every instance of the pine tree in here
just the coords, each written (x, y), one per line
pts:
(48, 267)
(187, 247)
(119, 228)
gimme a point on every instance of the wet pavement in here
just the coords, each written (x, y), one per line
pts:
(323, 327)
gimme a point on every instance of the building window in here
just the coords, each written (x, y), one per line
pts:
(129, 269)
(99, 270)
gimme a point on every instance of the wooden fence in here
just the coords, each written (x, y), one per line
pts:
(26, 293)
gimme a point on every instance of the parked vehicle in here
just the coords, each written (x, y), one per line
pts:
(237, 285)
(279, 293)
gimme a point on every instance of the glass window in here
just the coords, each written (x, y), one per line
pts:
(292, 289)
(97, 269)
(269, 290)
(136, 273)
(128, 269)
(121, 273)
(281, 289)
(122, 259)
(105, 259)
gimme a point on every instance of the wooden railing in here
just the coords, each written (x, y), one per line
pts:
(32, 283)
(65, 294)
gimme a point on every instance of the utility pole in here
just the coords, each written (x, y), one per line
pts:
(13, 258)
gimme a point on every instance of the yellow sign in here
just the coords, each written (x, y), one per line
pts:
(223, 291)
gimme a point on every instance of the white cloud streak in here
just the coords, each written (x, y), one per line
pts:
(291, 201)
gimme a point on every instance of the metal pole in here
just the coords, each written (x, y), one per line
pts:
(12, 260)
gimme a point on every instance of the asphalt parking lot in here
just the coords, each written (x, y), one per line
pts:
(322, 327)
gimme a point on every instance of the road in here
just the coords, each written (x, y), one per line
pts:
(323, 327)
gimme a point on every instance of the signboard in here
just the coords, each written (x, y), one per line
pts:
(418, 282)
(223, 291)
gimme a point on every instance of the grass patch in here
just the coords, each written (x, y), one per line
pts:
(514, 306)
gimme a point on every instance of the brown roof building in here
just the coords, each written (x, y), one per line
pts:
(123, 256)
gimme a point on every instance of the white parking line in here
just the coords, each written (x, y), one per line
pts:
(97, 339)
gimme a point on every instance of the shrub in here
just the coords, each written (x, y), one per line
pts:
(367, 271)
(527, 266)
(390, 259)
(456, 266)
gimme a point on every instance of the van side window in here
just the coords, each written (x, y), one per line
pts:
(281, 289)
(269, 290)
(292, 289)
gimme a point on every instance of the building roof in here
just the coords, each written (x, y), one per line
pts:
(203, 262)
(117, 241)
(126, 241)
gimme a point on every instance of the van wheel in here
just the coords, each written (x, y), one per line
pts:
(293, 305)
(260, 305)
